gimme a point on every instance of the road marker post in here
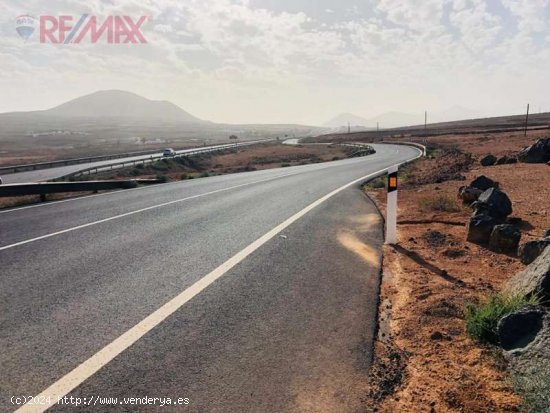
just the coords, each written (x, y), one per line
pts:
(391, 209)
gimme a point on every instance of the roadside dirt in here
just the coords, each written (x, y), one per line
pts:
(425, 362)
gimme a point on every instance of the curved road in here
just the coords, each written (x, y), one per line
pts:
(251, 292)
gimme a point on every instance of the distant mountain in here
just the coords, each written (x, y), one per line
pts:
(398, 119)
(120, 104)
(454, 113)
(344, 119)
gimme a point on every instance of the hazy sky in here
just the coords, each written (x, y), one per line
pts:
(299, 61)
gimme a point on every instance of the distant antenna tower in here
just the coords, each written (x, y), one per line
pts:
(526, 121)
(425, 120)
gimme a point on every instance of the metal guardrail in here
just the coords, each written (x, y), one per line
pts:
(416, 145)
(67, 162)
(43, 188)
(135, 162)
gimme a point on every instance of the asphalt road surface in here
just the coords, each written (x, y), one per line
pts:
(52, 173)
(252, 292)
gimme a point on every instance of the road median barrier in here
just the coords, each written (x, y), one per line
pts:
(44, 188)
(75, 161)
(151, 159)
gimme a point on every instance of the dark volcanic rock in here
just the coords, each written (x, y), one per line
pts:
(533, 280)
(469, 194)
(488, 160)
(504, 160)
(504, 238)
(539, 152)
(480, 227)
(518, 329)
(529, 251)
(483, 183)
(495, 203)
(526, 337)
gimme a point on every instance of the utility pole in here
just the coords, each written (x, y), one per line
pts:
(526, 121)
(349, 128)
(425, 127)
(425, 121)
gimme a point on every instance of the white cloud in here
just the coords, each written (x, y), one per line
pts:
(531, 14)
(229, 61)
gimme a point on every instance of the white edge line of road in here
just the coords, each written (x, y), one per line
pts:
(113, 192)
(92, 365)
(78, 198)
(46, 204)
(137, 211)
(14, 209)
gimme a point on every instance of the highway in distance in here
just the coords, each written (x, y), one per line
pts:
(251, 292)
(59, 171)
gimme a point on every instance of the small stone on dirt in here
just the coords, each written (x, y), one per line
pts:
(436, 335)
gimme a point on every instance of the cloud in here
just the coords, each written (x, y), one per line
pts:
(218, 58)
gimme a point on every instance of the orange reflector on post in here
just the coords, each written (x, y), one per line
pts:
(392, 182)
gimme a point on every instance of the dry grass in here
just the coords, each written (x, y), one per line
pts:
(438, 203)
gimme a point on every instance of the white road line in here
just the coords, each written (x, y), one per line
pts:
(106, 193)
(137, 211)
(88, 368)
(46, 204)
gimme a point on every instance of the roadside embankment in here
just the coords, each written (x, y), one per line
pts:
(425, 359)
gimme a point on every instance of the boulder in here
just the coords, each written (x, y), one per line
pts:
(494, 203)
(534, 279)
(488, 160)
(480, 227)
(525, 336)
(504, 160)
(504, 238)
(518, 329)
(483, 183)
(530, 251)
(539, 152)
(469, 194)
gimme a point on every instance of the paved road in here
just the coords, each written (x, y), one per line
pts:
(251, 292)
(52, 173)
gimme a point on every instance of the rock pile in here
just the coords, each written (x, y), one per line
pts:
(471, 193)
(488, 222)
